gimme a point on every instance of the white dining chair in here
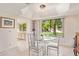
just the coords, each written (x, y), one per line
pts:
(35, 46)
(53, 45)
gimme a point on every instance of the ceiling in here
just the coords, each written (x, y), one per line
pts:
(52, 10)
(11, 9)
(15, 10)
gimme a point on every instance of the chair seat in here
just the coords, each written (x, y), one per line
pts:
(36, 48)
(53, 46)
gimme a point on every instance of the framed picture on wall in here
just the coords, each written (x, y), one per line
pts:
(7, 22)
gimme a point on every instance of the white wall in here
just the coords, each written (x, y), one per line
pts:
(7, 38)
(71, 26)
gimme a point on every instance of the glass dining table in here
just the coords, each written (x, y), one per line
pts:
(42, 44)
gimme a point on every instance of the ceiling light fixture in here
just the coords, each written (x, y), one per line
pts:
(42, 6)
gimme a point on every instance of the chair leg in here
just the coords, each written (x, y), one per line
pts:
(29, 51)
(47, 51)
(58, 52)
(38, 53)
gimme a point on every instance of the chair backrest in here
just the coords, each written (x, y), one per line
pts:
(31, 40)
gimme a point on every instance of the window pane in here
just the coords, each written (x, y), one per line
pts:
(52, 27)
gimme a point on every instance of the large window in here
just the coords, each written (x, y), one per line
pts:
(52, 27)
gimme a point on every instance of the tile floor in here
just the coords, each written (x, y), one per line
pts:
(22, 50)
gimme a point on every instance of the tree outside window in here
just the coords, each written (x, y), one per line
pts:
(52, 27)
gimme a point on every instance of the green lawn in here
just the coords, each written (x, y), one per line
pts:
(51, 34)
